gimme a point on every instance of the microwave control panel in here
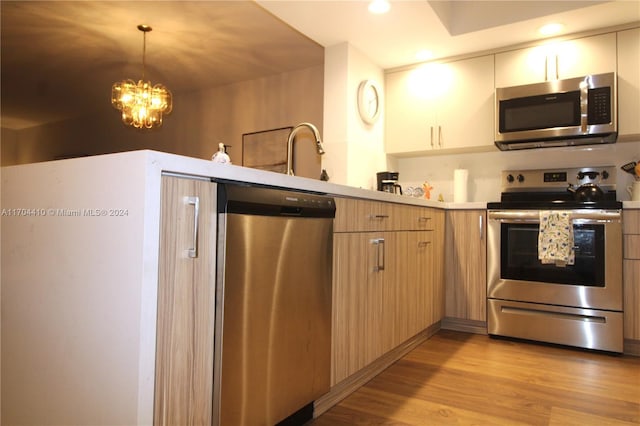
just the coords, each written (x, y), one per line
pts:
(599, 105)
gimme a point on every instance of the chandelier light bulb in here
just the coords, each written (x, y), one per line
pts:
(142, 104)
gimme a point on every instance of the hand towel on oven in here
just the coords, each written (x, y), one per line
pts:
(555, 238)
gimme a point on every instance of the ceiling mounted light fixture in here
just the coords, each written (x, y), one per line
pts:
(379, 6)
(550, 29)
(142, 104)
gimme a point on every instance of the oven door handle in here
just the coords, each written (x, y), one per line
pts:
(533, 216)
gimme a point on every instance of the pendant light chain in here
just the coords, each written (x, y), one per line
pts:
(144, 53)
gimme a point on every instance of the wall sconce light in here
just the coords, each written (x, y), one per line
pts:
(142, 104)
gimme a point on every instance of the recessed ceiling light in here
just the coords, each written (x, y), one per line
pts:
(379, 6)
(551, 29)
(424, 55)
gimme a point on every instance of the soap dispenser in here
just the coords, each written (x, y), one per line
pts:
(221, 155)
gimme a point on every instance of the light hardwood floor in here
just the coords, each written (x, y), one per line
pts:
(464, 379)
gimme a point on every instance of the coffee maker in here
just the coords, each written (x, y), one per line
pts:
(388, 182)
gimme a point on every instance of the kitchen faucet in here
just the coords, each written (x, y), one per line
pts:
(292, 135)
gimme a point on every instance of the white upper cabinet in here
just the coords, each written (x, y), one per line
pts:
(551, 61)
(437, 108)
(629, 82)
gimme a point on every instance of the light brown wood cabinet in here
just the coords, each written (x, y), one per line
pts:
(385, 289)
(631, 273)
(186, 303)
(465, 267)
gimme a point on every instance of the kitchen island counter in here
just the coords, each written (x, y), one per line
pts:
(86, 231)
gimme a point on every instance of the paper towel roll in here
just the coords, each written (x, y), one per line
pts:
(460, 177)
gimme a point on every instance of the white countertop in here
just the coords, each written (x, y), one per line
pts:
(205, 168)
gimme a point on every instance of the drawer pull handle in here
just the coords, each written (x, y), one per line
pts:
(423, 219)
(378, 216)
(423, 243)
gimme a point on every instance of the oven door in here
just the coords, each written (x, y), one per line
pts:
(515, 273)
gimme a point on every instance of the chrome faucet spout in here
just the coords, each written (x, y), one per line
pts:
(290, 139)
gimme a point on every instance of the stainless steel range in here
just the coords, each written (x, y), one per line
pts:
(554, 258)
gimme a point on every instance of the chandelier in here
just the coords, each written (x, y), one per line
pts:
(142, 104)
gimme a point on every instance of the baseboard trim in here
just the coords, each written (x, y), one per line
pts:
(465, 325)
(631, 347)
(352, 383)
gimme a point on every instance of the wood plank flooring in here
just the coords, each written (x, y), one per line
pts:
(464, 379)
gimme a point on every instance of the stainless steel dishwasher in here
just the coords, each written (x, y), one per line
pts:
(273, 320)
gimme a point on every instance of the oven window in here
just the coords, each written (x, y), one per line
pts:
(519, 256)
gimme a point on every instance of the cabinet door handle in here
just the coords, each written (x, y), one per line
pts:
(422, 244)
(379, 243)
(423, 219)
(195, 201)
(440, 136)
(546, 67)
(431, 131)
(481, 226)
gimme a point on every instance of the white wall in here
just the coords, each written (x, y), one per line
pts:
(355, 150)
(484, 168)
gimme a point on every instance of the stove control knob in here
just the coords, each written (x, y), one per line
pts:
(510, 178)
(520, 178)
(604, 174)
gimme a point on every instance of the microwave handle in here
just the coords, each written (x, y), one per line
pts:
(584, 105)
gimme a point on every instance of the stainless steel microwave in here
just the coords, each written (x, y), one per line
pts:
(575, 111)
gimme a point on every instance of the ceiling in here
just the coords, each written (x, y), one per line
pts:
(447, 28)
(59, 59)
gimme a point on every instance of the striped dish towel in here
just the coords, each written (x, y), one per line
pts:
(555, 238)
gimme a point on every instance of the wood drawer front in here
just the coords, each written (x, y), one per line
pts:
(413, 218)
(631, 221)
(631, 246)
(355, 215)
(631, 299)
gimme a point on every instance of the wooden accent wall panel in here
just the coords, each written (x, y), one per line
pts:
(186, 300)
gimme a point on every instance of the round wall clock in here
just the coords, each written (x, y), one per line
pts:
(369, 101)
